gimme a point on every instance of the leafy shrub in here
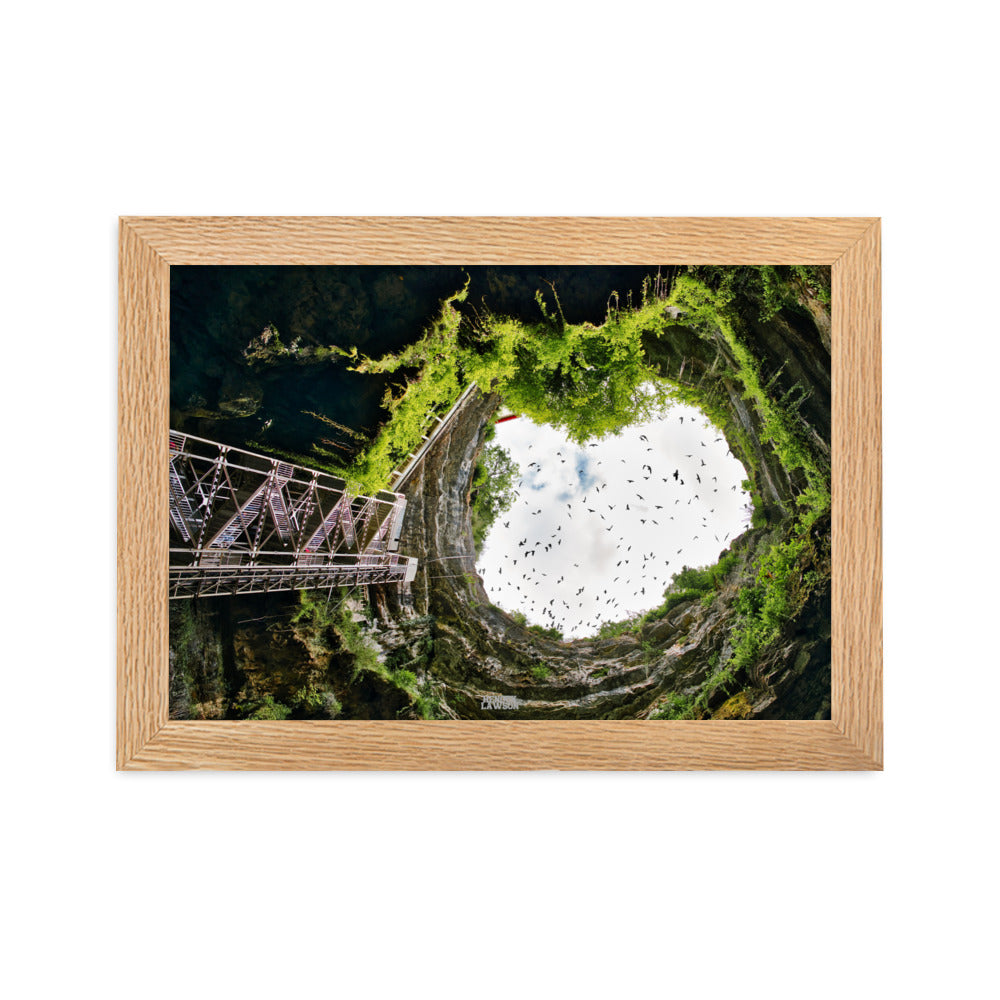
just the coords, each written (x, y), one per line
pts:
(405, 679)
(549, 633)
(266, 708)
(493, 490)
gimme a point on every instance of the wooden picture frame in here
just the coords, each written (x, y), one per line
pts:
(147, 739)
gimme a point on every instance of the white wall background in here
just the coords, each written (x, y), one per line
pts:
(690, 885)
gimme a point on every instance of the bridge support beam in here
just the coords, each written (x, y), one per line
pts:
(244, 523)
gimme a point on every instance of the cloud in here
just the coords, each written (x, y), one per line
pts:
(584, 477)
(593, 522)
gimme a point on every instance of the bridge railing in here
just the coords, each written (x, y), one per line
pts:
(234, 577)
(438, 426)
(252, 523)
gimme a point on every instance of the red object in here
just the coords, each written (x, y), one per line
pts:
(513, 416)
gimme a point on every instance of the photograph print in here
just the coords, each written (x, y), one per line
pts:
(510, 492)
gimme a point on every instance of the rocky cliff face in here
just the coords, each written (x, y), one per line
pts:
(479, 650)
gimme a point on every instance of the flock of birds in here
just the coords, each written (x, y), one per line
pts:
(590, 561)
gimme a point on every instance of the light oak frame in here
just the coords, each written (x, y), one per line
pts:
(148, 740)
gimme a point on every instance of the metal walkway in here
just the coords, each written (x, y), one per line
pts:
(402, 476)
(244, 523)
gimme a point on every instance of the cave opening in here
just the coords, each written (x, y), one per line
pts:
(595, 533)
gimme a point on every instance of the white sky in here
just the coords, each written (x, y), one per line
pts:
(589, 527)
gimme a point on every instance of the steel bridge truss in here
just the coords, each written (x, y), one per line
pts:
(242, 523)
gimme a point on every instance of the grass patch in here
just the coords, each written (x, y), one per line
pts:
(675, 706)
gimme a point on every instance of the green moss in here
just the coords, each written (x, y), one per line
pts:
(738, 707)
(265, 708)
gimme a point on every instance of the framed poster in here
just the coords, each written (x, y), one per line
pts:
(499, 493)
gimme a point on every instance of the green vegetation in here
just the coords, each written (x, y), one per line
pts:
(313, 621)
(549, 633)
(265, 708)
(589, 380)
(611, 630)
(265, 348)
(739, 706)
(286, 685)
(398, 670)
(268, 349)
(492, 490)
(708, 312)
(687, 585)
(340, 651)
(713, 302)
(765, 290)
(435, 386)
(354, 641)
(786, 576)
(541, 672)
(759, 517)
(315, 701)
(675, 706)
(701, 582)
(793, 567)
